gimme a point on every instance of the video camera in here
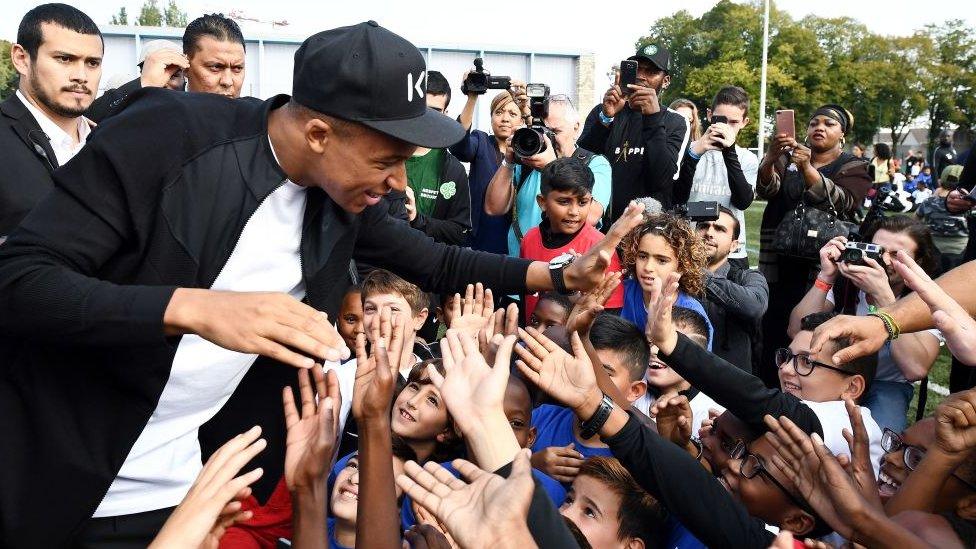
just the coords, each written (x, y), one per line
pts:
(530, 140)
(855, 252)
(479, 81)
(698, 211)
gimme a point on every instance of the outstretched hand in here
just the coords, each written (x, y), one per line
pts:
(859, 465)
(566, 378)
(213, 503)
(817, 475)
(504, 322)
(956, 325)
(472, 390)
(867, 335)
(955, 431)
(485, 511)
(591, 304)
(587, 270)
(660, 329)
(472, 312)
(376, 373)
(673, 415)
(311, 440)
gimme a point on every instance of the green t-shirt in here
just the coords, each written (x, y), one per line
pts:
(424, 177)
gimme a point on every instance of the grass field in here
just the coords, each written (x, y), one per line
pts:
(940, 371)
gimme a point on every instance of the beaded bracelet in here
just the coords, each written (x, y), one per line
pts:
(889, 323)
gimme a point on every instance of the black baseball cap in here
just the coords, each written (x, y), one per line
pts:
(367, 74)
(657, 54)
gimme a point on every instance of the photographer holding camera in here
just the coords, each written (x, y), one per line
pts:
(866, 283)
(485, 152)
(716, 169)
(643, 141)
(516, 183)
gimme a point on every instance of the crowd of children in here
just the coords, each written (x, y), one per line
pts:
(605, 422)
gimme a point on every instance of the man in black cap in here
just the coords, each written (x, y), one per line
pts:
(142, 290)
(643, 140)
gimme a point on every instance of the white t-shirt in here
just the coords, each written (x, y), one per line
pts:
(834, 419)
(166, 458)
(921, 195)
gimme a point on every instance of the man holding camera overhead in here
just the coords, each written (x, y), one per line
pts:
(553, 125)
(643, 141)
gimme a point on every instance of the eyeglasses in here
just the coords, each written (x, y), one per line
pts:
(802, 363)
(561, 98)
(912, 457)
(751, 466)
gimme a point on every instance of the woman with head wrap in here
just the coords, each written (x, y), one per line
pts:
(816, 170)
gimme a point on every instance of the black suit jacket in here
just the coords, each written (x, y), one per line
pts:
(28, 162)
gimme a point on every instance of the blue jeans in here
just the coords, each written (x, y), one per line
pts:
(888, 402)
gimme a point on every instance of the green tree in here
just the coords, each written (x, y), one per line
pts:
(121, 18)
(175, 17)
(8, 74)
(149, 15)
(948, 69)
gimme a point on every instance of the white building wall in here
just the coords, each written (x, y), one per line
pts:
(270, 61)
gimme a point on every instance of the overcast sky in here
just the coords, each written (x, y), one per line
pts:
(607, 29)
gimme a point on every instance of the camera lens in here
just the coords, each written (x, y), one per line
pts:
(528, 142)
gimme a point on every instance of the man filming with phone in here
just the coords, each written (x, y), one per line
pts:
(643, 141)
(716, 169)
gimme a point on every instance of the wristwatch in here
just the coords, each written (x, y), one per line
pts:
(557, 267)
(593, 425)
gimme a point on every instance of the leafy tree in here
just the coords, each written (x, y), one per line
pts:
(884, 81)
(149, 15)
(8, 74)
(175, 17)
(121, 18)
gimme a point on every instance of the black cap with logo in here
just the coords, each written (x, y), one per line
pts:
(367, 74)
(657, 54)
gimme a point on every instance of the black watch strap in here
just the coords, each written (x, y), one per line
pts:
(558, 280)
(592, 426)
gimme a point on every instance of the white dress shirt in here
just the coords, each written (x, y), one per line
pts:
(65, 146)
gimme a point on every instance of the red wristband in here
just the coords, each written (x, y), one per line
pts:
(821, 285)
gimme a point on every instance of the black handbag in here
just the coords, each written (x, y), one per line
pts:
(803, 232)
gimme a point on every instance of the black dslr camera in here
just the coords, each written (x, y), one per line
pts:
(855, 252)
(479, 81)
(529, 141)
(698, 211)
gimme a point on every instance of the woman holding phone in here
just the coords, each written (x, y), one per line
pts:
(817, 170)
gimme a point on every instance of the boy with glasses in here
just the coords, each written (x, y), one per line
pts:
(811, 391)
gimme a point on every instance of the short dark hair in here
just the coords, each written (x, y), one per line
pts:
(732, 95)
(614, 333)
(566, 174)
(865, 366)
(735, 227)
(882, 151)
(690, 321)
(557, 298)
(215, 25)
(641, 515)
(438, 85)
(29, 33)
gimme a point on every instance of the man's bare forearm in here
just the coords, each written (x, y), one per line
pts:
(913, 315)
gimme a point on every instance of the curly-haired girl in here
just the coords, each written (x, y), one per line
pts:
(664, 243)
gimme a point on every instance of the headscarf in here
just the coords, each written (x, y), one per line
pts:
(838, 113)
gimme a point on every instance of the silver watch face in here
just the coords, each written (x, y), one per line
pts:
(561, 260)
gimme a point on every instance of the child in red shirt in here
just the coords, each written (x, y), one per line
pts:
(565, 188)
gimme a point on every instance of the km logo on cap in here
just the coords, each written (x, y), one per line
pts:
(419, 85)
